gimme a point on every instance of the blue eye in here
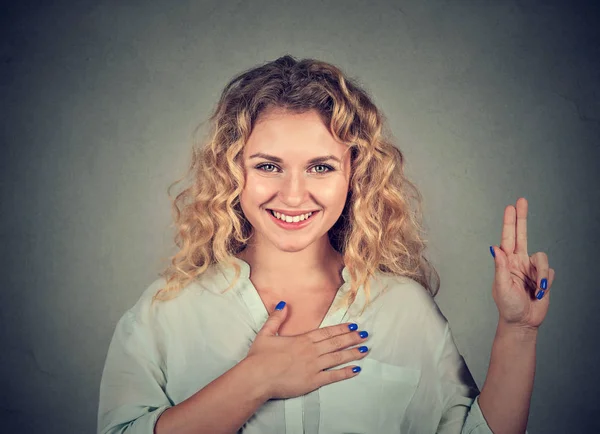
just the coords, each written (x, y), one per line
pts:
(327, 168)
(260, 166)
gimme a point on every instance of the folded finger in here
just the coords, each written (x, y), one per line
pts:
(539, 261)
(550, 280)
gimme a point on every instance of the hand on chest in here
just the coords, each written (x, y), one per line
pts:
(306, 310)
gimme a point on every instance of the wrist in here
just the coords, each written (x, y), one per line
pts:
(254, 371)
(517, 331)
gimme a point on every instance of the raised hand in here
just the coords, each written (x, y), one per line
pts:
(519, 277)
(296, 365)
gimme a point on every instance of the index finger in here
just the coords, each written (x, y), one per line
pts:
(324, 333)
(509, 229)
(522, 207)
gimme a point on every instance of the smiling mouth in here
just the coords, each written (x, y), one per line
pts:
(292, 222)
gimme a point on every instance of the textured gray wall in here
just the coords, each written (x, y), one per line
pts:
(489, 101)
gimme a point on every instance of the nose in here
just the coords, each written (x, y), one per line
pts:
(293, 191)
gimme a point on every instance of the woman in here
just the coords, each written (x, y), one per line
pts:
(300, 300)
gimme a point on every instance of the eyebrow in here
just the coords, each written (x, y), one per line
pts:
(279, 160)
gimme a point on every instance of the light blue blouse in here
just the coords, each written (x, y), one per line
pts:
(413, 380)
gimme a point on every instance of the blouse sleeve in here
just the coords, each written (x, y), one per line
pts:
(459, 392)
(132, 389)
(461, 413)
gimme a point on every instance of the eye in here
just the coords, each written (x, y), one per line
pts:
(265, 167)
(329, 168)
(261, 166)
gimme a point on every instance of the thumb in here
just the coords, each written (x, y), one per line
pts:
(277, 317)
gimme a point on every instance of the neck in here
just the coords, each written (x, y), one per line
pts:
(314, 267)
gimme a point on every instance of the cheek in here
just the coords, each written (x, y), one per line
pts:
(334, 193)
(256, 192)
(257, 186)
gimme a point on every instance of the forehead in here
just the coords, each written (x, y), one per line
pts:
(287, 134)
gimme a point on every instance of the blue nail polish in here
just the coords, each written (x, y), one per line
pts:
(363, 334)
(540, 294)
(280, 305)
(356, 369)
(352, 327)
(492, 251)
(363, 349)
(544, 283)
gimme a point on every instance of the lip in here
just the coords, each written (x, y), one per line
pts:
(292, 213)
(292, 226)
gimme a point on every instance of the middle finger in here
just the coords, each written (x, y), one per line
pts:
(522, 206)
(339, 342)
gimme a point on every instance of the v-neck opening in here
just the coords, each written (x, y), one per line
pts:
(248, 292)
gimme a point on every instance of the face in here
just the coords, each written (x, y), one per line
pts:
(293, 164)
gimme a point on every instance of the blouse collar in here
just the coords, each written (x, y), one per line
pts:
(246, 290)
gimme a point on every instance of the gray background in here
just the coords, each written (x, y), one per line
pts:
(488, 100)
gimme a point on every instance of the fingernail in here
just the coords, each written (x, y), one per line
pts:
(492, 251)
(362, 349)
(280, 305)
(540, 294)
(356, 369)
(352, 327)
(544, 283)
(363, 334)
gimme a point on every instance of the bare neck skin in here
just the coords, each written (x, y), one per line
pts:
(316, 269)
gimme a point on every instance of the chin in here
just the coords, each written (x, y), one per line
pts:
(291, 247)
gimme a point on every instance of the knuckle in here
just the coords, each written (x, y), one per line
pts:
(340, 374)
(359, 341)
(336, 342)
(312, 352)
(327, 332)
(337, 358)
(354, 354)
(306, 340)
(541, 256)
(328, 378)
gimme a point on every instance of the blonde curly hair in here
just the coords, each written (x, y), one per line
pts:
(380, 226)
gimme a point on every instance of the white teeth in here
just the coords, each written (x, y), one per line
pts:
(290, 219)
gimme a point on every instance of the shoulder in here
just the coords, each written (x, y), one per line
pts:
(148, 309)
(401, 296)
(211, 283)
(402, 289)
(403, 302)
(145, 308)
